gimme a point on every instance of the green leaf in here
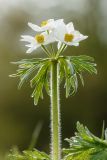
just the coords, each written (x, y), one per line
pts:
(72, 67)
(81, 78)
(40, 73)
(85, 155)
(47, 84)
(85, 146)
(26, 75)
(30, 61)
(36, 155)
(26, 68)
(84, 63)
(37, 93)
(27, 155)
(61, 71)
(39, 81)
(37, 70)
(71, 82)
(15, 155)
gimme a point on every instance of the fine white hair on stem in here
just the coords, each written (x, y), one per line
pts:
(59, 110)
(52, 116)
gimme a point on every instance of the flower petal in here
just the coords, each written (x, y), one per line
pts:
(70, 27)
(32, 48)
(60, 31)
(32, 43)
(34, 27)
(49, 38)
(27, 38)
(72, 43)
(75, 44)
(79, 37)
(49, 26)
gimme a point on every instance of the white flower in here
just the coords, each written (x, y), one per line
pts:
(36, 42)
(45, 25)
(67, 34)
(51, 31)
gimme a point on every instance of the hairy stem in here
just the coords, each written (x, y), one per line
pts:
(55, 113)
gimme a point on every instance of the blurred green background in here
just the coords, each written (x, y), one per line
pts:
(18, 115)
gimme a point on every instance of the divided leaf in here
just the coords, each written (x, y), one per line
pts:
(37, 70)
(84, 63)
(72, 68)
(39, 81)
(85, 146)
(27, 155)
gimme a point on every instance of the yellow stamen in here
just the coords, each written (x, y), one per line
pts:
(44, 23)
(39, 38)
(68, 37)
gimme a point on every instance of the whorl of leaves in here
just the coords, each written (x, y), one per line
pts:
(38, 70)
(85, 146)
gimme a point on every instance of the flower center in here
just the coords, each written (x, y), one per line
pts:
(39, 38)
(44, 23)
(68, 37)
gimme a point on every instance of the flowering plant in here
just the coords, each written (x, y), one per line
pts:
(49, 72)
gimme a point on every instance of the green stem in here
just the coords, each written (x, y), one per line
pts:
(45, 50)
(52, 49)
(61, 49)
(35, 135)
(55, 113)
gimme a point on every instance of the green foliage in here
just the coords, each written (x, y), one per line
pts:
(38, 70)
(85, 146)
(27, 155)
(72, 68)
